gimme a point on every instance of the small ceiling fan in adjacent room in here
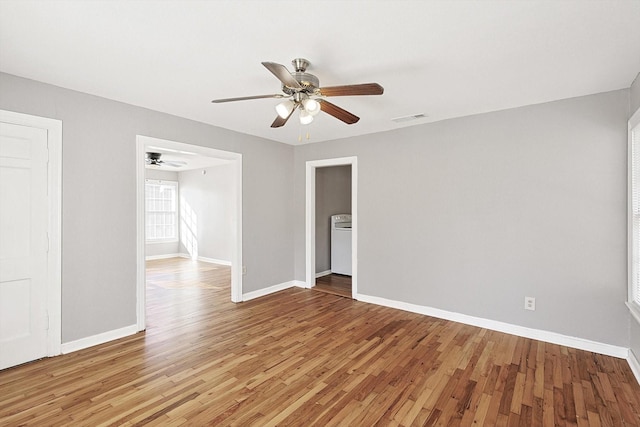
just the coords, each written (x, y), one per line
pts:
(153, 159)
(303, 92)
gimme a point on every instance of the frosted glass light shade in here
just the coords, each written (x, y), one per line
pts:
(311, 106)
(285, 108)
(305, 117)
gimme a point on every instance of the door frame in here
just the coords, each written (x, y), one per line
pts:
(236, 238)
(310, 221)
(54, 227)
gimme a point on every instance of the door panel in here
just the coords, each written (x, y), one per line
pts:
(23, 244)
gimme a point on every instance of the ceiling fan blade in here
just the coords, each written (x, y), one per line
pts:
(245, 98)
(281, 72)
(279, 121)
(350, 90)
(338, 113)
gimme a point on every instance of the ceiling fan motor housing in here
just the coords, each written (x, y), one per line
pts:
(309, 83)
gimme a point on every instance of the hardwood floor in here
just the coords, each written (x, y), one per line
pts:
(300, 357)
(336, 284)
(183, 273)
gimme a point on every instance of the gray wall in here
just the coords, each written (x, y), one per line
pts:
(333, 196)
(99, 206)
(495, 207)
(491, 208)
(211, 198)
(170, 248)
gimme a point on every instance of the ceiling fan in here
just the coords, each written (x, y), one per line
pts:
(153, 159)
(304, 93)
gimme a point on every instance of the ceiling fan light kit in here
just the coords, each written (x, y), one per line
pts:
(304, 92)
(305, 117)
(311, 106)
(285, 108)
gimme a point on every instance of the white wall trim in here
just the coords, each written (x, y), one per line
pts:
(323, 273)
(164, 256)
(141, 241)
(310, 218)
(182, 255)
(272, 289)
(536, 334)
(98, 339)
(632, 247)
(634, 309)
(162, 241)
(210, 260)
(634, 364)
(54, 257)
(299, 284)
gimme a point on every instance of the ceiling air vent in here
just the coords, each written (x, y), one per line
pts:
(409, 118)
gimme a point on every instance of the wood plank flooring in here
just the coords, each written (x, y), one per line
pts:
(305, 358)
(336, 284)
(183, 273)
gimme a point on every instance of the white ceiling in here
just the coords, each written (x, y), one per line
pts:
(193, 156)
(442, 58)
(190, 160)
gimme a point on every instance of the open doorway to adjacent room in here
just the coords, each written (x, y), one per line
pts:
(189, 224)
(333, 230)
(331, 226)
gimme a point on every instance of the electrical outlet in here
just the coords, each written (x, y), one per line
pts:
(244, 270)
(530, 303)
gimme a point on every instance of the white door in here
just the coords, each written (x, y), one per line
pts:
(24, 217)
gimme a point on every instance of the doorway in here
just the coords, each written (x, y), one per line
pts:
(311, 212)
(333, 230)
(231, 160)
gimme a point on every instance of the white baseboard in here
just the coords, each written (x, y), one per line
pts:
(272, 289)
(214, 260)
(536, 334)
(323, 273)
(165, 256)
(200, 258)
(102, 338)
(634, 364)
(266, 291)
(205, 259)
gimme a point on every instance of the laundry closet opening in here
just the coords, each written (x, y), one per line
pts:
(333, 230)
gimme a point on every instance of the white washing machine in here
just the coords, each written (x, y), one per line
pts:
(341, 244)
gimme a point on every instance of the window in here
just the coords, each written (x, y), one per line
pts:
(634, 222)
(161, 204)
